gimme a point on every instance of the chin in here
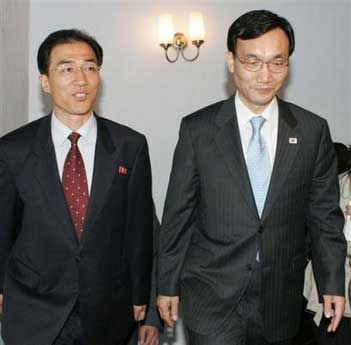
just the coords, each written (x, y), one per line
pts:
(83, 112)
(264, 100)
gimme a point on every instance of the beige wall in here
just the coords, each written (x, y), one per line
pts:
(14, 43)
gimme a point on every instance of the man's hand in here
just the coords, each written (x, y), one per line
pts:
(1, 301)
(139, 312)
(149, 335)
(168, 308)
(334, 307)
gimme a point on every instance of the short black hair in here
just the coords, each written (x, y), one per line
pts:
(343, 154)
(256, 23)
(63, 37)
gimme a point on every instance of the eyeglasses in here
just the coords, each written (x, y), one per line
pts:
(255, 64)
(71, 69)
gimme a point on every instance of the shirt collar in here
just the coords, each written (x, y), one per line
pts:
(89, 130)
(244, 114)
(60, 131)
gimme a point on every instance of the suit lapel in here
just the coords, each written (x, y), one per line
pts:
(288, 143)
(47, 177)
(229, 144)
(104, 172)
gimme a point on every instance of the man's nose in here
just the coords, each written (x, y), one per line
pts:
(80, 76)
(264, 74)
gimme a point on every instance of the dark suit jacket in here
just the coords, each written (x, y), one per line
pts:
(43, 267)
(211, 229)
(152, 315)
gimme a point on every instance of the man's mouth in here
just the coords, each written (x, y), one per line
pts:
(80, 95)
(264, 89)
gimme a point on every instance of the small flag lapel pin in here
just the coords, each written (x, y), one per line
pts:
(292, 140)
(122, 170)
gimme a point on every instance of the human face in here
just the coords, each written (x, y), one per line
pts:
(73, 93)
(257, 89)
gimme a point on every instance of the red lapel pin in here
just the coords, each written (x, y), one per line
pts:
(122, 170)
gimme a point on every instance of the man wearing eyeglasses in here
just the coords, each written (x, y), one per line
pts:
(76, 225)
(251, 175)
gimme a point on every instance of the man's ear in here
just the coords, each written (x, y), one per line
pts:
(230, 61)
(44, 81)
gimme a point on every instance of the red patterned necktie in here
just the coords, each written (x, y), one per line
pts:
(75, 186)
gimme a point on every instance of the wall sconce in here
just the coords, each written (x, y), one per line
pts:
(178, 41)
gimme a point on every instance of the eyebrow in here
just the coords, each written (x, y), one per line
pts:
(63, 62)
(278, 56)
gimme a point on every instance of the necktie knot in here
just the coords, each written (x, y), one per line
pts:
(74, 137)
(257, 123)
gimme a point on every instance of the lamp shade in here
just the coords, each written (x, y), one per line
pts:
(196, 26)
(165, 29)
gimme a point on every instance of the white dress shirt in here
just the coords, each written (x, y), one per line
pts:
(269, 130)
(86, 144)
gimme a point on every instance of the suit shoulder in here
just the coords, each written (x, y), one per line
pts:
(305, 115)
(204, 116)
(118, 130)
(22, 137)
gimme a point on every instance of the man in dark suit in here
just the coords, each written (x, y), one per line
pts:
(77, 218)
(250, 175)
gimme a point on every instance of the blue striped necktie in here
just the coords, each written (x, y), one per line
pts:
(258, 163)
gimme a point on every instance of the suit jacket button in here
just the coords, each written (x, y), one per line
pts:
(260, 229)
(249, 267)
(77, 258)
